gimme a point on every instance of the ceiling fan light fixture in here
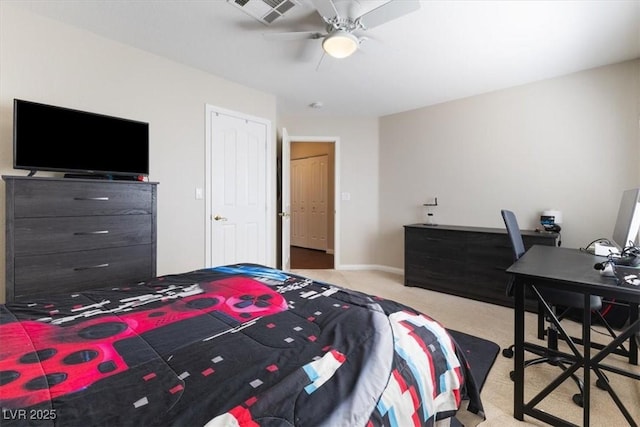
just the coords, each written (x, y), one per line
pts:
(340, 44)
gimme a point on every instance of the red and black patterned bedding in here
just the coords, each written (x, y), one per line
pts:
(240, 345)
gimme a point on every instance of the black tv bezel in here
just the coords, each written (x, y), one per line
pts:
(76, 172)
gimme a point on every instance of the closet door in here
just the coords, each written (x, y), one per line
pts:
(309, 201)
(317, 170)
(298, 203)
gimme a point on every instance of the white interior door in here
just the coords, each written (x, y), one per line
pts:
(318, 192)
(285, 194)
(299, 192)
(309, 203)
(239, 190)
(319, 202)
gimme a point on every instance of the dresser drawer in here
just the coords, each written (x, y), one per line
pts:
(436, 243)
(41, 198)
(35, 236)
(492, 250)
(77, 271)
(435, 274)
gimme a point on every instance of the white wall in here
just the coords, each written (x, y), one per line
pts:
(50, 62)
(358, 175)
(570, 143)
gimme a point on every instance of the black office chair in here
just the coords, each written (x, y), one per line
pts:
(555, 298)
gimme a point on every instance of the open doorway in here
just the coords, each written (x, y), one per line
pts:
(313, 189)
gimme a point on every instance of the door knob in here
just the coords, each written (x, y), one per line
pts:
(284, 214)
(219, 218)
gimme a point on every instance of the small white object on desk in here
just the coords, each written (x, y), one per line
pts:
(632, 279)
(607, 270)
(605, 250)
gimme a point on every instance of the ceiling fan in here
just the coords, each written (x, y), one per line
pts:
(343, 20)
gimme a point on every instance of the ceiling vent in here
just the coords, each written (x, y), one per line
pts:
(265, 11)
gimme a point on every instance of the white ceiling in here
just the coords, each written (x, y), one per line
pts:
(444, 51)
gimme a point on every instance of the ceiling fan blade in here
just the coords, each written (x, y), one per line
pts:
(388, 12)
(292, 36)
(325, 8)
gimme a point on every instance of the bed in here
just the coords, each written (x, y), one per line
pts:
(238, 345)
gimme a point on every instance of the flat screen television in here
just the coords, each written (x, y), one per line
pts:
(51, 138)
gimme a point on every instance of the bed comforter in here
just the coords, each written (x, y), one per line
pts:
(239, 345)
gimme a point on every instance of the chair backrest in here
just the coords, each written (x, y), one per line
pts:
(517, 244)
(552, 296)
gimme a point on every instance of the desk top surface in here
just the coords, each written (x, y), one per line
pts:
(572, 268)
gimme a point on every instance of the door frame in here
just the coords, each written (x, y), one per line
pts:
(336, 190)
(270, 211)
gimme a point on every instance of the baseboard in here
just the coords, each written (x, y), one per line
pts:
(376, 267)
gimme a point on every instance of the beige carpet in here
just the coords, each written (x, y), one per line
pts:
(495, 323)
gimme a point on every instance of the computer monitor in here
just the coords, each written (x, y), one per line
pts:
(625, 232)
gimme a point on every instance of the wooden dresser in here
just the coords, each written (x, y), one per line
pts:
(65, 235)
(464, 261)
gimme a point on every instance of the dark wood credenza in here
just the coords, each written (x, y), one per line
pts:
(67, 235)
(465, 261)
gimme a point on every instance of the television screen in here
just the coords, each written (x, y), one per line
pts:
(46, 137)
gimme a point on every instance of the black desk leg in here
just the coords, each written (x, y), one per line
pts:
(541, 322)
(518, 380)
(586, 339)
(633, 344)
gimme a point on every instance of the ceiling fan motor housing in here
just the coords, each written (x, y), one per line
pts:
(343, 18)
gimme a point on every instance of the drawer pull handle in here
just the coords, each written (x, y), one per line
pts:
(102, 199)
(86, 233)
(91, 267)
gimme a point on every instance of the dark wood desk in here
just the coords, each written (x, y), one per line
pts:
(570, 269)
